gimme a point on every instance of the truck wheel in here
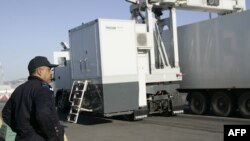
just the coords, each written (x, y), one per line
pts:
(244, 104)
(62, 103)
(222, 104)
(198, 103)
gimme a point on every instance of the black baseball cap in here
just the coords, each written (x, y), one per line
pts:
(39, 61)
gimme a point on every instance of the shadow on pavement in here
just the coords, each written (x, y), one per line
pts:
(86, 119)
(92, 120)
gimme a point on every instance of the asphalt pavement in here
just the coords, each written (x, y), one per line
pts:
(182, 127)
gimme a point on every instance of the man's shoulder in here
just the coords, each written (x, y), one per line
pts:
(34, 85)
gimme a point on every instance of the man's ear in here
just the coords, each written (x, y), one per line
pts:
(38, 71)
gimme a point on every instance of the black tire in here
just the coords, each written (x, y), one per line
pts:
(244, 104)
(62, 102)
(222, 104)
(198, 103)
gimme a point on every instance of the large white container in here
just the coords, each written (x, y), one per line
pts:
(215, 53)
(105, 52)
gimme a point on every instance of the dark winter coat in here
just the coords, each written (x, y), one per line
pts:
(31, 113)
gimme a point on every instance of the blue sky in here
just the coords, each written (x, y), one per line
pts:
(36, 27)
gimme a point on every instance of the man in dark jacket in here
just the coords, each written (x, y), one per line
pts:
(30, 111)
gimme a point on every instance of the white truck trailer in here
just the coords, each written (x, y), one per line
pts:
(122, 67)
(214, 60)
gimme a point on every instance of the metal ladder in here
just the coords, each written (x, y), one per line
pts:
(78, 90)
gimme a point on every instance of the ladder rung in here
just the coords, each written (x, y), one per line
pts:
(86, 110)
(78, 90)
(73, 113)
(75, 106)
